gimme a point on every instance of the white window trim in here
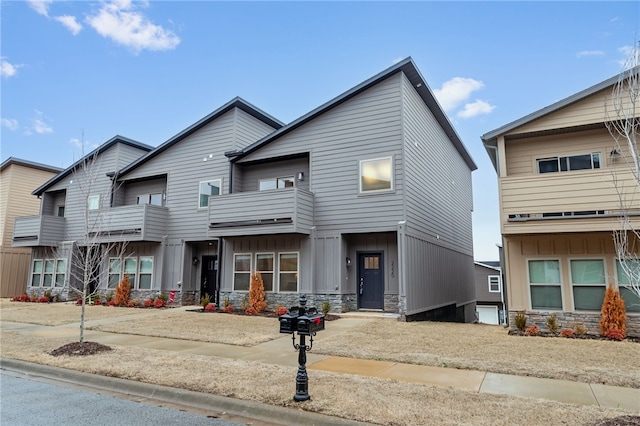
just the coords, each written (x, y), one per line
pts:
(135, 280)
(90, 198)
(233, 280)
(499, 283)
(558, 157)
(376, 191)
(207, 181)
(297, 271)
(605, 275)
(561, 284)
(140, 273)
(31, 273)
(273, 272)
(109, 273)
(136, 284)
(147, 198)
(53, 274)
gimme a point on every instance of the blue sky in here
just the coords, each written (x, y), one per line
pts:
(81, 72)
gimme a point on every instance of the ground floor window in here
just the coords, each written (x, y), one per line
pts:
(139, 270)
(627, 273)
(264, 265)
(48, 272)
(588, 284)
(241, 272)
(545, 284)
(288, 267)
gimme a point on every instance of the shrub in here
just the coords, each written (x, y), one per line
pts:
(33, 297)
(205, 300)
(47, 294)
(226, 302)
(108, 297)
(25, 298)
(326, 307)
(251, 310)
(532, 330)
(112, 303)
(281, 310)
(43, 299)
(147, 303)
(56, 298)
(579, 329)
(79, 301)
(257, 302)
(123, 291)
(211, 307)
(613, 314)
(567, 332)
(159, 303)
(614, 334)
(228, 308)
(163, 296)
(552, 324)
(132, 303)
(521, 320)
(245, 302)
(97, 302)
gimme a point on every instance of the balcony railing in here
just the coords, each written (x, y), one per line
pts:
(278, 211)
(568, 202)
(139, 222)
(42, 230)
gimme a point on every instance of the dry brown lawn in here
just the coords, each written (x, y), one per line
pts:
(380, 401)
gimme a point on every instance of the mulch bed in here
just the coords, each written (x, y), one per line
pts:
(618, 421)
(80, 349)
(584, 336)
(269, 314)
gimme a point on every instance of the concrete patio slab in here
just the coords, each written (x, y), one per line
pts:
(534, 387)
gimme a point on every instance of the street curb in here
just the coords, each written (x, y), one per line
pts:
(201, 401)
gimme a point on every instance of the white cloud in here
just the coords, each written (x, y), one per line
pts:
(9, 123)
(40, 6)
(122, 23)
(589, 53)
(70, 23)
(475, 108)
(456, 91)
(39, 125)
(7, 69)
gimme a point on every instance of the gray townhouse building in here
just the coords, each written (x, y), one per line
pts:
(365, 201)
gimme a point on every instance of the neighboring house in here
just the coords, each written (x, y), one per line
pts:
(364, 202)
(558, 207)
(17, 179)
(69, 205)
(490, 303)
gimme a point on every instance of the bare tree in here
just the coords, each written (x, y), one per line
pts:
(623, 123)
(98, 241)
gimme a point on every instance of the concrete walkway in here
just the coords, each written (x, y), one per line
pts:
(280, 351)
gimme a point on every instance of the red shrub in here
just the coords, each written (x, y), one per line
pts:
(112, 303)
(229, 308)
(532, 330)
(43, 299)
(211, 307)
(281, 310)
(567, 332)
(132, 304)
(79, 301)
(251, 310)
(97, 302)
(159, 303)
(614, 334)
(147, 303)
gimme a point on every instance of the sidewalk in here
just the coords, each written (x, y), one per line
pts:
(281, 352)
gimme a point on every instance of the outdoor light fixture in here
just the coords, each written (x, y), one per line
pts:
(300, 175)
(614, 153)
(348, 261)
(194, 261)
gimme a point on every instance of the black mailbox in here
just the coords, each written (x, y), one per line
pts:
(310, 324)
(289, 322)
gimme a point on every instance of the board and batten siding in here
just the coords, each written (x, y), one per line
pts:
(366, 126)
(438, 188)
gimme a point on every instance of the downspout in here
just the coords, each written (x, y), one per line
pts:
(402, 273)
(219, 272)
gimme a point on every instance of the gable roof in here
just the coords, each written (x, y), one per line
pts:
(489, 139)
(26, 163)
(490, 264)
(99, 150)
(236, 102)
(410, 70)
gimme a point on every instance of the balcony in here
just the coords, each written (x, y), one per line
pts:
(278, 211)
(568, 202)
(42, 230)
(139, 222)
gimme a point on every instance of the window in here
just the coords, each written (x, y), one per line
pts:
(631, 267)
(49, 268)
(115, 269)
(276, 183)
(61, 272)
(153, 199)
(568, 163)
(60, 211)
(36, 273)
(131, 269)
(494, 283)
(545, 284)
(207, 189)
(264, 265)
(376, 175)
(288, 266)
(146, 273)
(588, 282)
(93, 202)
(241, 272)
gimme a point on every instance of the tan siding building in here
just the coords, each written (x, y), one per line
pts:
(564, 185)
(18, 178)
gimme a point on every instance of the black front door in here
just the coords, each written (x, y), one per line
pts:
(370, 281)
(208, 276)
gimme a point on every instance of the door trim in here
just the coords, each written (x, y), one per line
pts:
(379, 298)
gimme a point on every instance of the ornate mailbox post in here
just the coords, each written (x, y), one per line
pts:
(306, 322)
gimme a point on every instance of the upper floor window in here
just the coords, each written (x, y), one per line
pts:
(568, 163)
(276, 183)
(93, 202)
(376, 174)
(494, 283)
(153, 199)
(60, 211)
(207, 189)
